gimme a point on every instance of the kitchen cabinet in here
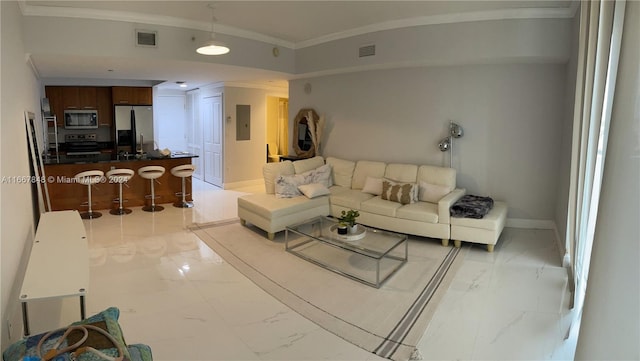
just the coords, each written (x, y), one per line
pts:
(104, 106)
(131, 95)
(54, 94)
(79, 97)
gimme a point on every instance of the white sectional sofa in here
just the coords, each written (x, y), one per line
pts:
(273, 214)
(422, 218)
(353, 185)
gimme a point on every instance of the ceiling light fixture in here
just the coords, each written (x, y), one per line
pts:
(213, 47)
(181, 84)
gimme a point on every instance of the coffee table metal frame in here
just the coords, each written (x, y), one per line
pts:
(322, 233)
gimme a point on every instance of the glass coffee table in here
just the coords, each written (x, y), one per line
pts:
(369, 255)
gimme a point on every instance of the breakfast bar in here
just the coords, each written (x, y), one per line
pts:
(67, 194)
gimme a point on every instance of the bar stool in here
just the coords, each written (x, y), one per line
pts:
(89, 178)
(152, 172)
(120, 176)
(183, 171)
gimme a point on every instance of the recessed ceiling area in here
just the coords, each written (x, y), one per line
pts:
(298, 21)
(292, 24)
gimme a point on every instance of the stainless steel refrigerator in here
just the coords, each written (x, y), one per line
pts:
(134, 128)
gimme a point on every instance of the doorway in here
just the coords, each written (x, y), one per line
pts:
(277, 128)
(204, 133)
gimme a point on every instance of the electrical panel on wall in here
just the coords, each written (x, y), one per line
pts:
(243, 122)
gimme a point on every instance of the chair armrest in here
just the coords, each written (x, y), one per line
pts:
(446, 202)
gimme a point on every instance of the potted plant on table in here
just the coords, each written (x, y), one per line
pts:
(347, 220)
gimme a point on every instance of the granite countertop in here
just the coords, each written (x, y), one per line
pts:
(109, 158)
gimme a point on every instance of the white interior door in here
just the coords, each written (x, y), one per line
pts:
(193, 131)
(212, 133)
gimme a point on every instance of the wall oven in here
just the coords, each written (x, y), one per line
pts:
(81, 119)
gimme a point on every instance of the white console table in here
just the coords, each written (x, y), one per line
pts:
(59, 262)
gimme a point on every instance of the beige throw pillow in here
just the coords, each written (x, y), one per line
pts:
(314, 190)
(404, 193)
(432, 192)
(373, 186)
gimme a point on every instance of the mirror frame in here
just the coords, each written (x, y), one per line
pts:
(302, 115)
(38, 182)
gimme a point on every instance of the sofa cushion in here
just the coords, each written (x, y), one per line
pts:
(270, 207)
(377, 205)
(406, 173)
(314, 190)
(349, 198)
(364, 169)
(428, 192)
(493, 221)
(437, 175)
(271, 170)
(342, 171)
(373, 186)
(419, 211)
(306, 165)
(404, 193)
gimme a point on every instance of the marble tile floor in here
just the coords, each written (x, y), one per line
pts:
(178, 296)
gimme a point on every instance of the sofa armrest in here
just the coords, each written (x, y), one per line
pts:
(446, 202)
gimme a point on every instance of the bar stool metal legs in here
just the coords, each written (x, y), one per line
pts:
(152, 173)
(120, 176)
(183, 171)
(89, 178)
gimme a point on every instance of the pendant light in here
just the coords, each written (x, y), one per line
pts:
(212, 47)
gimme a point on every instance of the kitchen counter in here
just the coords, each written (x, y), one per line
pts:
(66, 194)
(108, 158)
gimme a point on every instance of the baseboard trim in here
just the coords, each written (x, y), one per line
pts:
(530, 223)
(242, 184)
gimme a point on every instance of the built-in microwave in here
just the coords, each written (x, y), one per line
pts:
(81, 119)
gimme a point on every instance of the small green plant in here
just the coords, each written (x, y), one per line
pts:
(349, 217)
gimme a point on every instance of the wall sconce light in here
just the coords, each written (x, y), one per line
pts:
(446, 144)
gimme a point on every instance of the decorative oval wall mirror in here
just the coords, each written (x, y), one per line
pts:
(302, 143)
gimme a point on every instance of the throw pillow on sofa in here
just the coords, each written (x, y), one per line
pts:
(287, 185)
(432, 192)
(403, 193)
(314, 190)
(373, 186)
(322, 175)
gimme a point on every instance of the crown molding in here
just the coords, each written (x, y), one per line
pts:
(82, 13)
(506, 14)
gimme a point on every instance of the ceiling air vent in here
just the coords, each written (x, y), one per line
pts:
(367, 50)
(146, 38)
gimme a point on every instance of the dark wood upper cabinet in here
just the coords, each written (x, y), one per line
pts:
(105, 106)
(54, 94)
(131, 95)
(79, 97)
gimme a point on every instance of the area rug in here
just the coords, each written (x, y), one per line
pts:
(388, 321)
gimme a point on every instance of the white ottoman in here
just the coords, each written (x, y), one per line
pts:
(485, 230)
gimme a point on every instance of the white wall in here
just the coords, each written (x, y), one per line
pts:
(169, 120)
(512, 116)
(476, 42)
(20, 91)
(243, 159)
(100, 40)
(610, 327)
